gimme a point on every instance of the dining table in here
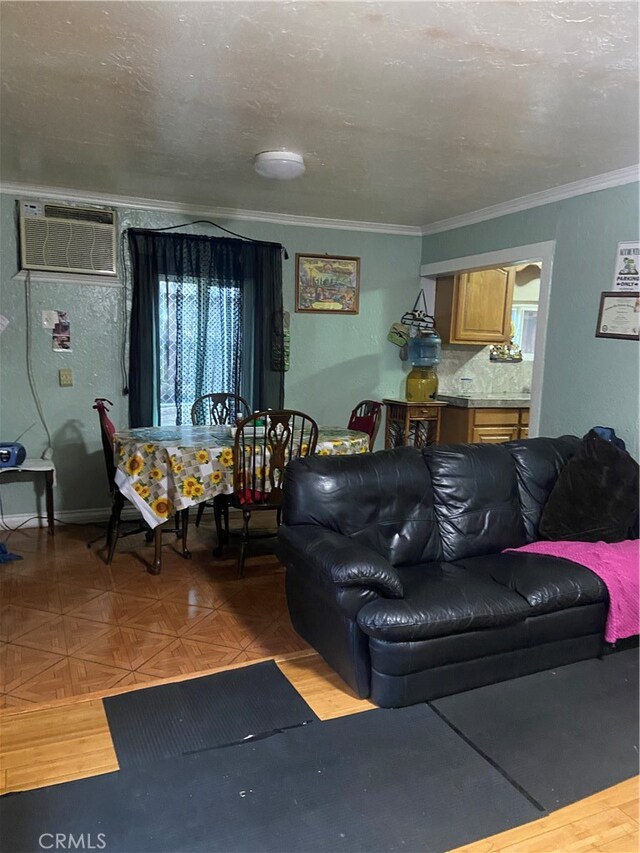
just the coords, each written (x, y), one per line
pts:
(169, 469)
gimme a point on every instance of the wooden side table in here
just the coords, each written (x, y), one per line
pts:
(412, 424)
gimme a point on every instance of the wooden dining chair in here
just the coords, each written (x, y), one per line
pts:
(264, 444)
(366, 417)
(217, 410)
(107, 431)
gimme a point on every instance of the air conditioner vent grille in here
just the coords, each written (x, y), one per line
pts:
(73, 241)
(83, 214)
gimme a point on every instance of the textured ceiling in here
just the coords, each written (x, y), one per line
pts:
(406, 112)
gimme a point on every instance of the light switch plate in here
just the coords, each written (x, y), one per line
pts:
(65, 377)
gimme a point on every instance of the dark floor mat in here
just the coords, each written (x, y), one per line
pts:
(202, 713)
(561, 734)
(378, 781)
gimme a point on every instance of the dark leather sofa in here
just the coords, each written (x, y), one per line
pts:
(395, 572)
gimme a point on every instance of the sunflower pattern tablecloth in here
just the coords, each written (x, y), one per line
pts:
(165, 469)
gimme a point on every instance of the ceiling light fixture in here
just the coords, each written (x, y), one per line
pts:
(279, 165)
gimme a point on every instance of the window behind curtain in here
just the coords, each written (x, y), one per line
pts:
(206, 316)
(200, 332)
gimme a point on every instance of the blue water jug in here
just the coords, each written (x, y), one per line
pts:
(424, 355)
(424, 349)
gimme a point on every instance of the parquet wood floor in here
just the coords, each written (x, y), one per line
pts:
(50, 745)
(72, 626)
(72, 629)
(606, 822)
(322, 688)
(42, 746)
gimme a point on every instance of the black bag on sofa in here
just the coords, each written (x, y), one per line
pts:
(595, 498)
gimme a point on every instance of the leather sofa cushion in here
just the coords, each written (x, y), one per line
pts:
(396, 658)
(546, 583)
(538, 463)
(440, 599)
(476, 498)
(382, 501)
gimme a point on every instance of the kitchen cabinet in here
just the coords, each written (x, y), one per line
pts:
(483, 426)
(475, 307)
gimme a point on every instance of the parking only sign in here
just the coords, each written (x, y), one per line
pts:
(627, 273)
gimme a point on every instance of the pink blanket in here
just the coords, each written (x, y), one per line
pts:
(617, 565)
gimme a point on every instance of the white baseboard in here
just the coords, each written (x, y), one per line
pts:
(69, 516)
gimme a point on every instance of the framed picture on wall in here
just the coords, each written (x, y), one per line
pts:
(327, 284)
(619, 315)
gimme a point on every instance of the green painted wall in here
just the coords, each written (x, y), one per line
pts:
(587, 380)
(335, 361)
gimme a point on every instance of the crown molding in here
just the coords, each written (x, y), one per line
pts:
(628, 175)
(159, 206)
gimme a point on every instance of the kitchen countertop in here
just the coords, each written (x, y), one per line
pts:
(487, 401)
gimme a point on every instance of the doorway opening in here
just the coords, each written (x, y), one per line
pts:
(521, 282)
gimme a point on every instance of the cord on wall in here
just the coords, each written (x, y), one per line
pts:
(48, 453)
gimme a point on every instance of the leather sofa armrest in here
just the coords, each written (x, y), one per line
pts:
(344, 562)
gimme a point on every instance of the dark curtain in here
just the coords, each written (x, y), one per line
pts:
(203, 268)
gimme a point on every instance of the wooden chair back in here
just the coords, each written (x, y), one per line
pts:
(366, 418)
(107, 431)
(264, 444)
(215, 409)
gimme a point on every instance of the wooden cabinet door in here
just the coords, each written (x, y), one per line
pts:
(494, 435)
(496, 417)
(524, 423)
(482, 306)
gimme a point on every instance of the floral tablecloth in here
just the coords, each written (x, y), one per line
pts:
(165, 469)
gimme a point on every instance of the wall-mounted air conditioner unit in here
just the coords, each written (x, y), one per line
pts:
(67, 238)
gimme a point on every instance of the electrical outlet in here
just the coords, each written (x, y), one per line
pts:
(65, 377)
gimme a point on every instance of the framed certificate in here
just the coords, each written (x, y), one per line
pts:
(619, 315)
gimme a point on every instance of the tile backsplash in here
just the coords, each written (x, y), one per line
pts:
(489, 377)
